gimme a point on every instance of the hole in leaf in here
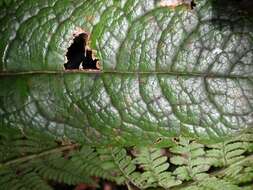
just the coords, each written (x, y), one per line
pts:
(174, 3)
(80, 56)
(193, 4)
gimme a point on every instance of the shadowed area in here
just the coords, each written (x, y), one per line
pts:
(230, 13)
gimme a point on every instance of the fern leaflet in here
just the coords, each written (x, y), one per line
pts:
(191, 159)
(155, 167)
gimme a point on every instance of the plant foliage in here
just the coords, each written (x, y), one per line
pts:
(29, 159)
(34, 161)
(170, 108)
(154, 167)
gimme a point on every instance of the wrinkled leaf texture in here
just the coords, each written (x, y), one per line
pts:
(165, 71)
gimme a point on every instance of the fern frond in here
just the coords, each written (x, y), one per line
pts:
(191, 159)
(41, 169)
(226, 153)
(248, 138)
(29, 159)
(56, 167)
(212, 184)
(29, 156)
(89, 161)
(117, 161)
(155, 168)
(240, 173)
(17, 143)
(126, 166)
(249, 187)
(21, 178)
(109, 164)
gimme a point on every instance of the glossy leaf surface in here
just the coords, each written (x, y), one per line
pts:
(165, 71)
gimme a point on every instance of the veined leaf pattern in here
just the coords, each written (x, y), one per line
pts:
(165, 71)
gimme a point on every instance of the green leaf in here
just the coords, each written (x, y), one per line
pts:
(231, 151)
(240, 172)
(29, 159)
(25, 180)
(165, 72)
(16, 143)
(125, 165)
(213, 184)
(191, 158)
(186, 164)
(155, 168)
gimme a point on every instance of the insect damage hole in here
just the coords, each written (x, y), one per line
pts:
(193, 4)
(174, 3)
(80, 55)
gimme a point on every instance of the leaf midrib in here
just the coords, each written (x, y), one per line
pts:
(196, 75)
